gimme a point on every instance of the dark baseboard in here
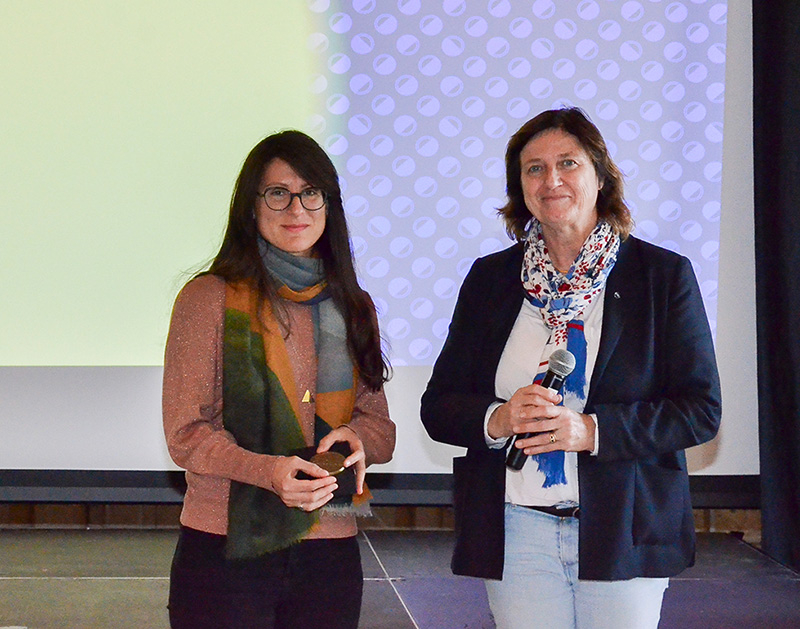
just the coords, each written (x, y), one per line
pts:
(726, 492)
(162, 487)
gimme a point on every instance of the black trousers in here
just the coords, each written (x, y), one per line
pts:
(316, 583)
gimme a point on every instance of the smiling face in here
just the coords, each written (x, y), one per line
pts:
(294, 230)
(559, 184)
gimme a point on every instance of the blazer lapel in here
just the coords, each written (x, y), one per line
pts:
(621, 293)
(505, 303)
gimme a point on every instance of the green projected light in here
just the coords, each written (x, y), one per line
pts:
(123, 128)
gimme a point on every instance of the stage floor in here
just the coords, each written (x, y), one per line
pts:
(114, 579)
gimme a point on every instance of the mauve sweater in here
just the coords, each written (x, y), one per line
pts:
(192, 410)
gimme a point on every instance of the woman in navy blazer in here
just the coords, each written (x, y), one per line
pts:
(651, 390)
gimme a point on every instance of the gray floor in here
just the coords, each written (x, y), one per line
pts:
(118, 579)
(114, 579)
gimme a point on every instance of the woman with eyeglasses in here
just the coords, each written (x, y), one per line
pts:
(273, 394)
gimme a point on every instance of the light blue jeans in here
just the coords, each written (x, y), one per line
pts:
(540, 586)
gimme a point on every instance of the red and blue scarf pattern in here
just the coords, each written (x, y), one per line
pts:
(562, 299)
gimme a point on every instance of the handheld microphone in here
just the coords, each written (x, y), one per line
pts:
(559, 366)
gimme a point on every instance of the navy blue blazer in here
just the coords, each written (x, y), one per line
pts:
(655, 390)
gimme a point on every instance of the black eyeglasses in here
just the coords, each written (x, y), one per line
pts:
(278, 199)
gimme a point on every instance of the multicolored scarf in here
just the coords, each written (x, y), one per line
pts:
(562, 299)
(260, 398)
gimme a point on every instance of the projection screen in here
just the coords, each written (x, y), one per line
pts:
(124, 126)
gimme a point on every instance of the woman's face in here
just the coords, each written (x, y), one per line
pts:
(294, 230)
(559, 183)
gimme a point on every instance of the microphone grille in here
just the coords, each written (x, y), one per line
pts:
(561, 362)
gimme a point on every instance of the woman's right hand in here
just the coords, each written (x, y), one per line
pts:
(307, 495)
(525, 405)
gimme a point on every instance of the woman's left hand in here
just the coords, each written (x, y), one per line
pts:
(559, 428)
(357, 456)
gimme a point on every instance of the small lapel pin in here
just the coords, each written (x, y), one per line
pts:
(307, 396)
(616, 295)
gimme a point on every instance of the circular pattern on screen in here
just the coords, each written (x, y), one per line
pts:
(418, 99)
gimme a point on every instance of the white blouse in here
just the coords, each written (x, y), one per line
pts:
(519, 365)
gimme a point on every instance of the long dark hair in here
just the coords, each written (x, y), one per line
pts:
(239, 258)
(610, 200)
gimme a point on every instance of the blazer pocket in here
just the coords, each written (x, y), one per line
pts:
(659, 504)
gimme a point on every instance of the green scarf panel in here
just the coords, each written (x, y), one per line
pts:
(258, 413)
